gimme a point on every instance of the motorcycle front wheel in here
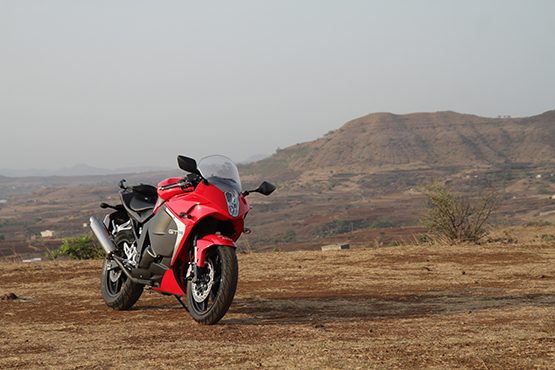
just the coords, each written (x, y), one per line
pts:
(118, 291)
(211, 293)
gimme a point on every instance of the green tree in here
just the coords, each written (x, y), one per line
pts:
(457, 218)
(82, 248)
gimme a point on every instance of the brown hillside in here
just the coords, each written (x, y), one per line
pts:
(385, 141)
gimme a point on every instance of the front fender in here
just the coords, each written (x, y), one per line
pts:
(208, 241)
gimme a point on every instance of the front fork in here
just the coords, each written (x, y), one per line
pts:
(192, 270)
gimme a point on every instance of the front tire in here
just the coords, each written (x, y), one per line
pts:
(118, 291)
(211, 295)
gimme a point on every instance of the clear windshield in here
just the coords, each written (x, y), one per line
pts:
(221, 172)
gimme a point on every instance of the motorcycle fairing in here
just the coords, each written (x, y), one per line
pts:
(180, 233)
(206, 201)
(194, 217)
(211, 194)
(165, 232)
(169, 284)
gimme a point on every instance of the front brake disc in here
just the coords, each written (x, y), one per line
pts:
(201, 290)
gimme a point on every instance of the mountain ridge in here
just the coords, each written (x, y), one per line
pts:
(387, 141)
(384, 141)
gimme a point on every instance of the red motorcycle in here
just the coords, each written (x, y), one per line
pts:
(177, 239)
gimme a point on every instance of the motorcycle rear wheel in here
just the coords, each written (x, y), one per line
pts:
(218, 289)
(118, 291)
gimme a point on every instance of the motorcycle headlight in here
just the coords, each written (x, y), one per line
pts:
(232, 199)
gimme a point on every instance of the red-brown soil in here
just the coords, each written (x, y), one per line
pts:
(406, 307)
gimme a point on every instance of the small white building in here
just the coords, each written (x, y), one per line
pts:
(335, 247)
(48, 234)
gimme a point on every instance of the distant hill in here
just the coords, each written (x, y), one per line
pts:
(377, 142)
(385, 141)
(255, 158)
(79, 170)
(19, 186)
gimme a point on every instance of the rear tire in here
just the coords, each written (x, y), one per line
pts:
(209, 299)
(118, 291)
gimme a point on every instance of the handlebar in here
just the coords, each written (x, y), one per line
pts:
(181, 183)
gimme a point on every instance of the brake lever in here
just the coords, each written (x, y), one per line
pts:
(181, 183)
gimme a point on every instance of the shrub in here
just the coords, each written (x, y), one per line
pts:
(423, 239)
(289, 235)
(543, 189)
(456, 218)
(81, 248)
(335, 228)
(383, 224)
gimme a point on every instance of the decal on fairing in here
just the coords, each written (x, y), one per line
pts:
(180, 232)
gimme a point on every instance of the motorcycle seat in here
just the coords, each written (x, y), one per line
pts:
(142, 198)
(146, 190)
(140, 201)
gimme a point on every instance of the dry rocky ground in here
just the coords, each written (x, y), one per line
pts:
(485, 307)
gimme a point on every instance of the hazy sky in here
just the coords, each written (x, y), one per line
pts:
(129, 83)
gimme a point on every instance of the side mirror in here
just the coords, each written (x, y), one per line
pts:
(188, 164)
(265, 188)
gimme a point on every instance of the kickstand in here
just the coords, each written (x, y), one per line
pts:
(182, 303)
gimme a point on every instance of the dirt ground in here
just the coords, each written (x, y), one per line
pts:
(405, 307)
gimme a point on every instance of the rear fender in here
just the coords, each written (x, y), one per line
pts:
(204, 244)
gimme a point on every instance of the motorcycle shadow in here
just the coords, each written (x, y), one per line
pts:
(156, 305)
(371, 307)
